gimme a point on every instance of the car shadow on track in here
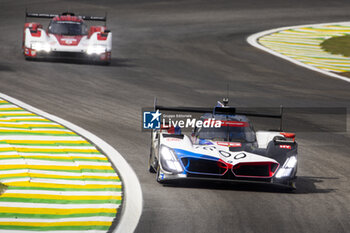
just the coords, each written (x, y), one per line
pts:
(305, 185)
(122, 62)
(115, 62)
(6, 68)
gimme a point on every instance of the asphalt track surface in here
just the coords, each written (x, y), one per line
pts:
(185, 52)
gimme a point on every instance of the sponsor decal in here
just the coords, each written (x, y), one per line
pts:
(68, 41)
(173, 139)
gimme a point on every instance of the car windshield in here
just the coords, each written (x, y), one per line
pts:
(67, 28)
(228, 133)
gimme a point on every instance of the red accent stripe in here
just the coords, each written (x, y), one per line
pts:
(170, 130)
(229, 144)
(221, 163)
(34, 28)
(36, 33)
(102, 36)
(96, 29)
(288, 135)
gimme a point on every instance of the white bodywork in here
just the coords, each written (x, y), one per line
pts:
(264, 137)
(48, 42)
(218, 151)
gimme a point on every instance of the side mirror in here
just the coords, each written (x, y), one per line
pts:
(279, 138)
(282, 140)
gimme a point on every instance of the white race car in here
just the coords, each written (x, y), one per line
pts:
(231, 152)
(67, 36)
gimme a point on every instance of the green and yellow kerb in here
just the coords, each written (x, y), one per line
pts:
(51, 178)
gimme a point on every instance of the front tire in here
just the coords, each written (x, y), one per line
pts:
(150, 162)
(158, 178)
(27, 58)
(292, 186)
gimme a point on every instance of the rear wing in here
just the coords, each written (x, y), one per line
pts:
(40, 15)
(50, 16)
(221, 110)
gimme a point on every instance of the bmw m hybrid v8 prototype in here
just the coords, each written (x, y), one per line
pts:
(231, 152)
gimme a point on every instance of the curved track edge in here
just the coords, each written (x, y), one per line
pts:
(132, 200)
(253, 40)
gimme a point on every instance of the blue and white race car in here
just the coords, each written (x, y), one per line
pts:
(231, 152)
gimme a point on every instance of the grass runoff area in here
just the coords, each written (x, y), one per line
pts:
(2, 188)
(338, 45)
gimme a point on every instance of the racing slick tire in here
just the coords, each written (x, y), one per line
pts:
(150, 162)
(107, 63)
(158, 179)
(27, 58)
(292, 186)
(101, 63)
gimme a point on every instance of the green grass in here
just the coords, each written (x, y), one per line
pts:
(337, 45)
(2, 188)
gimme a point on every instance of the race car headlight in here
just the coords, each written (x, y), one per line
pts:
(41, 46)
(287, 168)
(292, 161)
(169, 160)
(96, 49)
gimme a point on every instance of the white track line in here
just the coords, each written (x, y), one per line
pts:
(132, 199)
(65, 193)
(66, 220)
(253, 40)
(58, 206)
(82, 231)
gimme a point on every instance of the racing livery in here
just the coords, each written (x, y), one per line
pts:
(231, 152)
(67, 36)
